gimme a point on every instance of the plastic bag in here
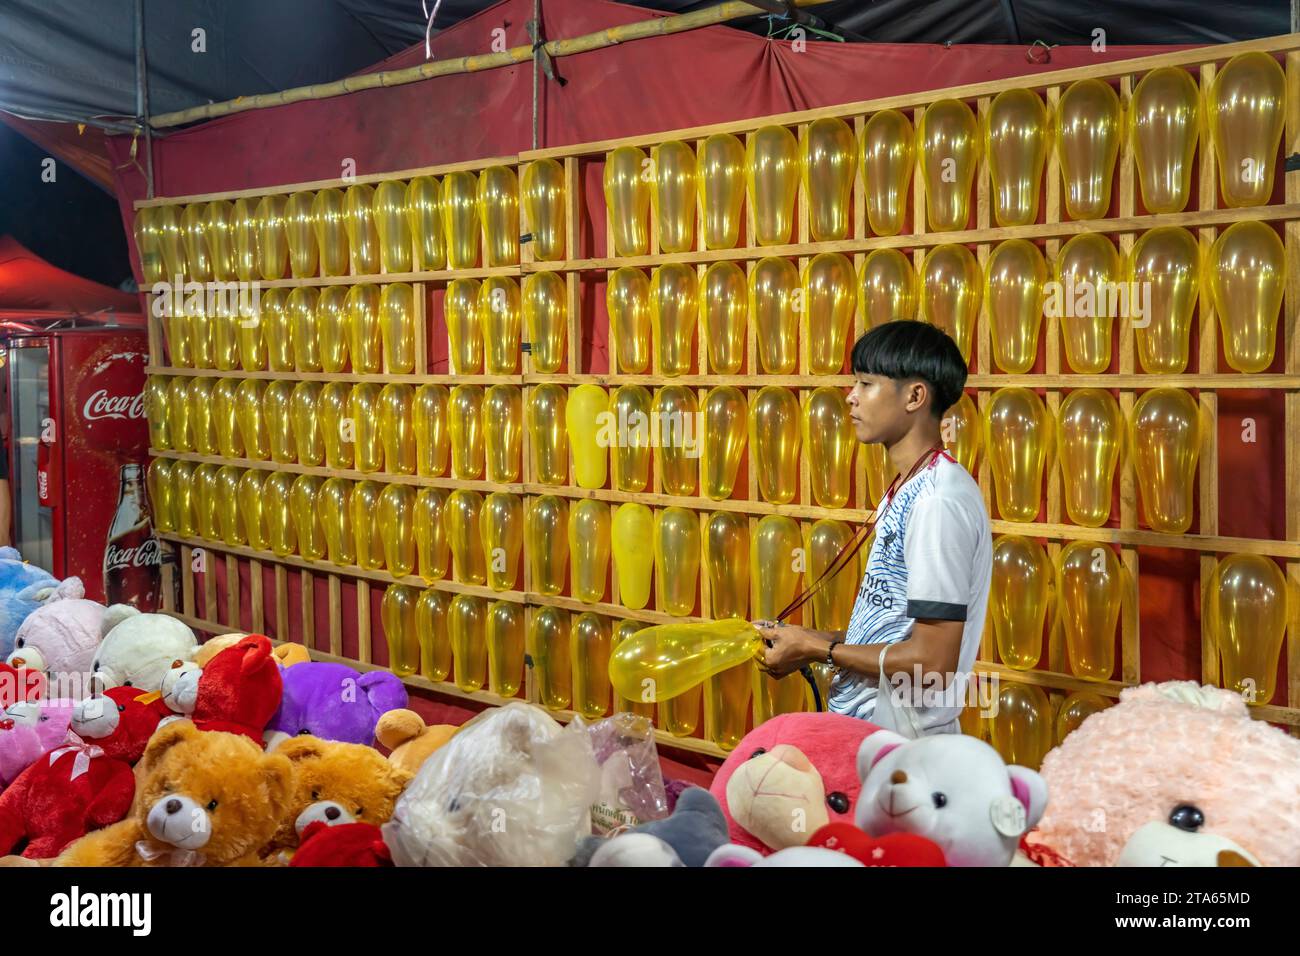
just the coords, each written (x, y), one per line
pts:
(631, 781)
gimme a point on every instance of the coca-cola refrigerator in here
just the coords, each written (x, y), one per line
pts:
(78, 448)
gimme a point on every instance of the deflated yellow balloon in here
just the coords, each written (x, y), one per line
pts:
(1077, 708)
(1167, 262)
(1016, 134)
(366, 337)
(1246, 109)
(725, 426)
(272, 246)
(723, 312)
(829, 438)
(1019, 595)
(662, 662)
(499, 317)
(367, 442)
(548, 645)
(396, 431)
(1013, 289)
(300, 232)
(277, 510)
(1164, 124)
(502, 431)
(627, 199)
(505, 647)
(1165, 435)
(631, 406)
(1247, 272)
(363, 238)
(464, 333)
(425, 222)
(674, 303)
(1090, 600)
(277, 410)
(720, 172)
(308, 441)
(677, 559)
(501, 528)
(632, 534)
(397, 327)
(880, 471)
(589, 544)
(888, 154)
(306, 517)
(429, 420)
(431, 548)
(333, 409)
(589, 653)
(334, 506)
(546, 317)
(460, 220)
(431, 630)
(830, 297)
(887, 284)
(773, 290)
(1089, 432)
(397, 611)
(675, 424)
(1086, 268)
(585, 417)
(830, 161)
(1088, 131)
(329, 220)
(465, 426)
(467, 625)
(391, 226)
(672, 200)
(772, 696)
(833, 604)
(546, 544)
(547, 433)
(365, 525)
(396, 520)
(627, 299)
(252, 425)
(948, 139)
(726, 562)
(185, 520)
(161, 494)
(542, 191)
(1017, 438)
(772, 181)
(775, 565)
(461, 518)
(950, 290)
(1022, 729)
(1247, 615)
(774, 435)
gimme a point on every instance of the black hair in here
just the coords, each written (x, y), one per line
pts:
(904, 349)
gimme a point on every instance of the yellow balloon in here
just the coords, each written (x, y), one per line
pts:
(1246, 612)
(1088, 131)
(425, 222)
(225, 323)
(392, 227)
(460, 219)
(334, 507)
(546, 544)
(830, 297)
(171, 242)
(176, 333)
(627, 299)
(662, 662)
(880, 471)
(178, 414)
(772, 182)
(1077, 708)
(681, 715)
(774, 421)
(431, 630)
(1165, 435)
(308, 443)
(277, 510)
(1086, 267)
(829, 438)
(1089, 432)
(502, 431)
(505, 648)
(431, 548)
(246, 234)
(327, 341)
(329, 221)
(196, 243)
(950, 289)
(1018, 599)
(461, 518)
(725, 425)
(630, 406)
(631, 536)
(888, 154)
(1091, 596)
(546, 318)
(672, 200)
(501, 528)
(252, 511)
(1167, 261)
(204, 485)
(1022, 729)
(203, 432)
(627, 200)
(148, 246)
(252, 423)
(833, 604)
(359, 219)
(830, 162)
(1246, 109)
(252, 339)
(365, 525)
(498, 312)
(723, 307)
(674, 301)
(720, 172)
(542, 191)
(467, 625)
(225, 415)
(300, 233)
(218, 221)
(589, 654)
(429, 420)
(307, 528)
(465, 427)
(948, 140)
(726, 562)
(396, 432)
(300, 312)
(624, 630)
(498, 200)
(1017, 437)
(773, 286)
(788, 695)
(161, 494)
(589, 543)
(367, 442)
(1164, 124)
(548, 646)
(365, 329)
(586, 413)
(1013, 288)
(888, 287)
(277, 331)
(397, 611)
(333, 408)
(677, 439)
(1247, 272)
(464, 333)
(397, 327)
(677, 559)
(155, 411)
(183, 498)
(774, 560)
(272, 245)
(547, 433)
(1015, 141)
(200, 335)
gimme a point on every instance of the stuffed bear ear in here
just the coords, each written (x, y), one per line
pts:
(10, 554)
(277, 773)
(732, 854)
(396, 727)
(874, 748)
(302, 747)
(384, 690)
(1029, 787)
(69, 589)
(115, 615)
(163, 739)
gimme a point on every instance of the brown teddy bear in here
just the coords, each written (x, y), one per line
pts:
(333, 783)
(203, 798)
(286, 654)
(410, 739)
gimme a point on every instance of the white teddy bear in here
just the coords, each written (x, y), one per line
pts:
(138, 650)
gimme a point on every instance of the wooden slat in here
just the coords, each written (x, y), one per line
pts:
(232, 593)
(335, 586)
(307, 594)
(281, 603)
(363, 621)
(255, 587)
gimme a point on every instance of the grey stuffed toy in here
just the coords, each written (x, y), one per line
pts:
(696, 828)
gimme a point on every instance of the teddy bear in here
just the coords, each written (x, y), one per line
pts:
(20, 684)
(334, 702)
(59, 638)
(346, 844)
(286, 654)
(238, 691)
(695, 829)
(1172, 775)
(512, 788)
(949, 788)
(837, 844)
(334, 783)
(86, 783)
(409, 738)
(28, 730)
(790, 776)
(205, 798)
(138, 649)
(23, 588)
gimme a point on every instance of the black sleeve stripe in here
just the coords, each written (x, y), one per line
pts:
(936, 611)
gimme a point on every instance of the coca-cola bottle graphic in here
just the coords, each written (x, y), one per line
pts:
(132, 557)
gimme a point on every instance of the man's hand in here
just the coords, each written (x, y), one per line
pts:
(788, 648)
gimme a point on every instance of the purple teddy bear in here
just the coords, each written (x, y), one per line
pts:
(335, 702)
(29, 729)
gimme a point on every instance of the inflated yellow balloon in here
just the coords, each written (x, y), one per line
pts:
(277, 510)
(218, 221)
(1086, 268)
(363, 238)
(676, 435)
(948, 140)
(396, 429)
(888, 154)
(1091, 597)
(1246, 612)
(425, 222)
(1247, 272)
(542, 191)
(833, 604)
(624, 630)
(1246, 110)
(830, 161)
(501, 528)
(465, 428)
(677, 559)
(546, 319)
(334, 506)
(830, 296)
(586, 414)
(672, 200)
(329, 220)
(252, 424)
(272, 246)
(627, 298)
(1164, 124)
(171, 242)
(308, 442)
(775, 564)
(429, 420)
(589, 653)
(726, 421)
(1016, 134)
(392, 227)
(365, 527)
(300, 233)
(887, 287)
(196, 243)
(333, 409)
(397, 611)
(726, 562)
(498, 200)
(176, 333)
(631, 406)
(723, 307)
(397, 327)
(546, 544)
(1013, 289)
(431, 548)
(307, 527)
(880, 471)
(203, 431)
(1017, 438)
(1022, 729)
(200, 334)
(322, 333)
(547, 434)
(627, 200)
(204, 485)
(631, 536)
(505, 647)
(461, 517)
(363, 427)
(395, 518)
(224, 323)
(178, 414)
(548, 645)
(1088, 132)
(772, 181)
(158, 479)
(246, 236)
(502, 431)
(1165, 435)
(662, 662)
(467, 626)
(300, 313)
(499, 318)
(720, 172)
(1019, 595)
(365, 332)
(148, 246)
(464, 332)
(252, 510)
(774, 422)
(674, 303)
(1166, 261)
(773, 292)
(1077, 708)
(460, 219)
(431, 630)
(950, 288)
(183, 498)
(1089, 433)
(829, 438)
(277, 331)
(589, 543)
(155, 411)
(252, 339)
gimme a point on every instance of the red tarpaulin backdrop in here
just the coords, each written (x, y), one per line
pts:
(705, 76)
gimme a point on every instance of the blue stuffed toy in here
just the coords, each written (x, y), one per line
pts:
(23, 588)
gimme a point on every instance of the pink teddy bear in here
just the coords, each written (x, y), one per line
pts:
(29, 729)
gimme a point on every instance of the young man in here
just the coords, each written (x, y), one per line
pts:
(925, 590)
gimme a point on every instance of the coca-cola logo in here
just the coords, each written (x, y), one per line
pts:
(42, 485)
(146, 553)
(103, 405)
(107, 401)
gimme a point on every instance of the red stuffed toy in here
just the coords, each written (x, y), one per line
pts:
(239, 689)
(83, 785)
(344, 844)
(20, 684)
(896, 849)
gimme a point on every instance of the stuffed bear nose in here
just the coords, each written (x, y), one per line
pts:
(172, 806)
(792, 756)
(898, 777)
(331, 813)
(18, 662)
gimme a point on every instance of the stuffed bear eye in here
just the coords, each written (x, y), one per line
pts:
(758, 753)
(315, 795)
(361, 811)
(838, 802)
(940, 800)
(212, 804)
(121, 708)
(454, 805)
(95, 666)
(21, 642)
(303, 732)
(127, 683)
(1187, 817)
